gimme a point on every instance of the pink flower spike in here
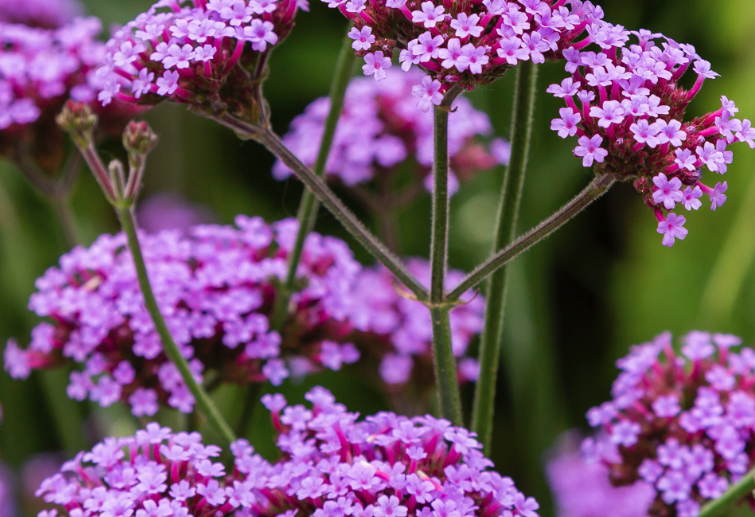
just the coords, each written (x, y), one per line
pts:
(376, 64)
(668, 192)
(717, 196)
(567, 124)
(428, 93)
(692, 197)
(672, 228)
(590, 150)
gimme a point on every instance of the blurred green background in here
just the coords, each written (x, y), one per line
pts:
(576, 303)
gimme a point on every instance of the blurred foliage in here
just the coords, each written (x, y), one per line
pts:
(576, 302)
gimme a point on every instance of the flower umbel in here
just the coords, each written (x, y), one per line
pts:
(683, 423)
(630, 122)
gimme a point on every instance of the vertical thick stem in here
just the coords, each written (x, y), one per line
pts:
(508, 211)
(733, 495)
(446, 380)
(128, 222)
(309, 205)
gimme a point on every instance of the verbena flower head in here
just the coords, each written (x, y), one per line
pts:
(156, 473)
(39, 70)
(582, 489)
(215, 286)
(383, 466)
(381, 128)
(398, 330)
(207, 53)
(468, 43)
(627, 109)
(171, 211)
(683, 423)
(49, 14)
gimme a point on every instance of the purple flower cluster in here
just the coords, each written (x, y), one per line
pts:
(630, 122)
(683, 423)
(402, 328)
(468, 43)
(49, 14)
(216, 287)
(380, 129)
(202, 52)
(582, 489)
(331, 466)
(39, 70)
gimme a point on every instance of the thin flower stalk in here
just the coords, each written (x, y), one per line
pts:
(566, 213)
(309, 206)
(734, 494)
(508, 212)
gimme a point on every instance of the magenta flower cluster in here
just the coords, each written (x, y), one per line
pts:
(40, 68)
(467, 43)
(216, 288)
(331, 466)
(630, 122)
(405, 328)
(199, 51)
(49, 14)
(683, 423)
(380, 129)
(582, 489)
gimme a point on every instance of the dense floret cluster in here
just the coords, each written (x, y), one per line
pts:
(332, 465)
(216, 287)
(399, 330)
(380, 129)
(204, 53)
(49, 14)
(630, 122)
(683, 423)
(468, 43)
(39, 70)
(582, 489)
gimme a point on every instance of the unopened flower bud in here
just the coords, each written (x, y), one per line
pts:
(138, 138)
(78, 119)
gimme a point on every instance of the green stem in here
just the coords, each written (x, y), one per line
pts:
(446, 380)
(508, 212)
(128, 222)
(330, 200)
(597, 187)
(309, 206)
(251, 397)
(743, 487)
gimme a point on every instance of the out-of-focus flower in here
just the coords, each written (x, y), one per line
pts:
(380, 130)
(582, 489)
(630, 122)
(398, 330)
(49, 14)
(171, 211)
(684, 424)
(216, 287)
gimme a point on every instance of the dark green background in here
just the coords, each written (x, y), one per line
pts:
(576, 302)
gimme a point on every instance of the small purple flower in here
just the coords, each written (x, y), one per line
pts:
(672, 228)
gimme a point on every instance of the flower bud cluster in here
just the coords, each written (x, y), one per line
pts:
(380, 129)
(685, 423)
(206, 53)
(39, 70)
(216, 287)
(630, 122)
(49, 14)
(468, 43)
(384, 466)
(399, 329)
(582, 489)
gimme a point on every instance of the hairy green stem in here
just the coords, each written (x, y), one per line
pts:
(508, 212)
(446, 380)
(309, 206)
(735, 493)
(128, 222)
(597, 187)
(330, 200)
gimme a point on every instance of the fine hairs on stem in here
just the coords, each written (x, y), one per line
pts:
(309, 206)
(508, 210)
